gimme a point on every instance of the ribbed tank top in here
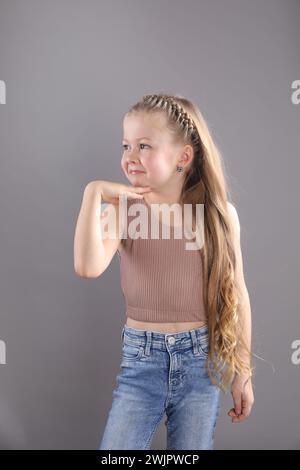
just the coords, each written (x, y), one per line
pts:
(161, 280)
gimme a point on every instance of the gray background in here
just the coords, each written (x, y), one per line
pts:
(72, 69)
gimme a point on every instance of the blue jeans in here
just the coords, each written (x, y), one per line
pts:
(163, 373)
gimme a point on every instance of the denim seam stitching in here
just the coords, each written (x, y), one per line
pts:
(154, 429)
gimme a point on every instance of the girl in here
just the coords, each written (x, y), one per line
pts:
(188, 331)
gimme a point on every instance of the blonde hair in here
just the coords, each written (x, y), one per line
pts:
(205, 183)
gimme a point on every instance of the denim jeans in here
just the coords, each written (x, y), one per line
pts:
(163, 373)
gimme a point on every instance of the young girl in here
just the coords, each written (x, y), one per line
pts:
(188, 331)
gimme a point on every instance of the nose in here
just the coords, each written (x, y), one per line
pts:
(132, 157)
(133, 163)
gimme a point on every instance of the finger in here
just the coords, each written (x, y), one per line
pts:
(135, 196)
(237, 398)
(246, 409)
(240, 418)
(129, 195)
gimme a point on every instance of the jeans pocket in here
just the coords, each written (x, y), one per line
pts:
(131, 352)
(203, 343)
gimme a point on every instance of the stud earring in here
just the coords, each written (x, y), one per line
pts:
(179, 169)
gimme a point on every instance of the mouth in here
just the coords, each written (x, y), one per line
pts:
(136, 172)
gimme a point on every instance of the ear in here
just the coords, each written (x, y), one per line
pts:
(186, 156)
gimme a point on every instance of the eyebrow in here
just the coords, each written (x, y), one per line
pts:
(148, 138)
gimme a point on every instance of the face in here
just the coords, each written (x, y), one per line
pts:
(147, 147)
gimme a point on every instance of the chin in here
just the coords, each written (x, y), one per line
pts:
(137, 180)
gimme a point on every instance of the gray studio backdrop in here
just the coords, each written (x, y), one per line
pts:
(69, 70)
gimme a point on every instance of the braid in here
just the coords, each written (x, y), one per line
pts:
(174, 110)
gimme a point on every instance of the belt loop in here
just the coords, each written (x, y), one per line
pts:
(148, 342)
(123, 333)
(195, 344)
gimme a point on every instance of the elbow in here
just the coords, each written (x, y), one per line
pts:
(86, 273)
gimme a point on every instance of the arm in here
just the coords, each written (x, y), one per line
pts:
(243, 309)
(241, 387)
(92, 252)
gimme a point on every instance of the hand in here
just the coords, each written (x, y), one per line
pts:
(110, 192)
(243, 398)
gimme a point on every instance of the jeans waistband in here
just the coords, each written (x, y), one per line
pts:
(174, 340)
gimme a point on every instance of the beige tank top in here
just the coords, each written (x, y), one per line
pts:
(161, 280)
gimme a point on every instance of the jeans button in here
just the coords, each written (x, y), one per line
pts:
(171, 340)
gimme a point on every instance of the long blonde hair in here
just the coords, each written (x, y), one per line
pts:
(205, 183)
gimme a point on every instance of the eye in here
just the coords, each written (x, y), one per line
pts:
(125, 146)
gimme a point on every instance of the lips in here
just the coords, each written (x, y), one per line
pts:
(134, 171)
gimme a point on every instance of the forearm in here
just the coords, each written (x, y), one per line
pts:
(88, 243)
(244, 314)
